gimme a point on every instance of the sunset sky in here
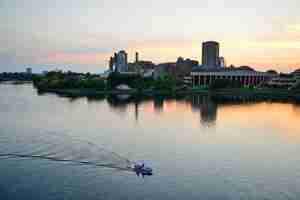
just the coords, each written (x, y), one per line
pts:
(81, 35)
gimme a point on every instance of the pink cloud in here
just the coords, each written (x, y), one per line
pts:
(82, 58)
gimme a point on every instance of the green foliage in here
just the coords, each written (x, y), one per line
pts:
(59, 80)
(36, 78)
(92, 84)
(69, 80)
(132, 80)
(55, 75)
(140, 83)
(165, 83)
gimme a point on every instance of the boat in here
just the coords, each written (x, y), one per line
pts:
(142, 169)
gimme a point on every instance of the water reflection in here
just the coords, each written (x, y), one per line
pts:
(158, 104)
(236, 154)
(98, 98)
(207, 108)
(122, 104)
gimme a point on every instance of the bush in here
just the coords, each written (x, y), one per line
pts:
(165, 83)
(59, 80)
(132, 80)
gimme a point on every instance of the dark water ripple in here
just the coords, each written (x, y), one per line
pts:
(64, 149)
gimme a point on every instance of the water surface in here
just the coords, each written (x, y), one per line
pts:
(199, 148)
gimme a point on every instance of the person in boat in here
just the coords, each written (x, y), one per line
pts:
(139, 166)
(142, 169)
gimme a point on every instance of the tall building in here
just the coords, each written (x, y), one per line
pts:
(136, 57)
(28, 70)
(120, 61)
(222, 62)
(111, 64)
(210, 54)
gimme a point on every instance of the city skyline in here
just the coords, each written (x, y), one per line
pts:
(82, 35)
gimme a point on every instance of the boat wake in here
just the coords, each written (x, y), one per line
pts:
(62, 148)
(57, 159)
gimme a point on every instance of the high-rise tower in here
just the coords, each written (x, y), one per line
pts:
(136, 57)
(210, 54)
(121, 64)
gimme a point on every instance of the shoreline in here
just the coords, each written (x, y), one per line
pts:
(224, 93)
(15, 82)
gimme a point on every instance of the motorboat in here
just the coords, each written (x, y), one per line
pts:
(142, 169)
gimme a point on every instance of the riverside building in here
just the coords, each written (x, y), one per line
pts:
(210, 54)
(213, 68)
(247, 77)
(119, 62)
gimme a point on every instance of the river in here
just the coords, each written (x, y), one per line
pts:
(199, 148)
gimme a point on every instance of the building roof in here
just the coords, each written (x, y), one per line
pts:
(247, 68)
(224, 69)
(210, 42)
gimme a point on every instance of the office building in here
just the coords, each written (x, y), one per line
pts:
(246, 76)
(119, 62)
(136, 57)
(210, 54)
(111, 64)
(222, 62)
(28, 70)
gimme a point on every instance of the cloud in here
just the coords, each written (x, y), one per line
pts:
(271, 44)
(76, 57)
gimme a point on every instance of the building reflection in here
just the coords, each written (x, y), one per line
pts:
(207, 109)
(158, 104)
(123, 104)
(136, 111)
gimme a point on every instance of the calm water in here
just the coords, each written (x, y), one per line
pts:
(199, 149)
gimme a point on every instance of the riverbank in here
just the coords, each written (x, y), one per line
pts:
(15, 82)
(273, 94)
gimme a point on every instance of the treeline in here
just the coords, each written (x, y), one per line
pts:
(60, 80)
(141, 83)
(15, 76)
(69, 80)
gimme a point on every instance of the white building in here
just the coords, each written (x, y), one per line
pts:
(283, 81)
(246, 76)
(286, 80)
(214, 68)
